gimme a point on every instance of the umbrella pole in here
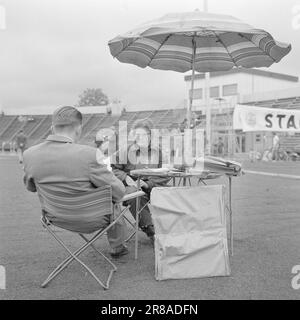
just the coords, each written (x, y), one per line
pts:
(207, 99)
(208, 113)
(192, 84)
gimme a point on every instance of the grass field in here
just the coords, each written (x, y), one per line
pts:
(266, 233)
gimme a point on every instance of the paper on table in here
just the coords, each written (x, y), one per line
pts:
(149, 171)
(158, 170)
(221, 165)
(227, 162)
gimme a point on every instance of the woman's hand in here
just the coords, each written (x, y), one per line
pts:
(130, 182)
(144, 184)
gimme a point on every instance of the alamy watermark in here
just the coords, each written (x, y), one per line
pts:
(296, 17)
(145, 147)
(296, 279)
(2, 278)
(2, 17)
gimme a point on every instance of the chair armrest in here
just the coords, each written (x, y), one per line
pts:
(133, 195)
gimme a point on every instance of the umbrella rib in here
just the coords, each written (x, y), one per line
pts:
(223, 44)
(167, 37)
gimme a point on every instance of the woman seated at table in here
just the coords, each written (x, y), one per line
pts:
(140, 155)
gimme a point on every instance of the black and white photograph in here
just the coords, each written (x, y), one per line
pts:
(149, 151)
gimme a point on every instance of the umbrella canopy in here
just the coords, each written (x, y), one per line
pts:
(198, 41)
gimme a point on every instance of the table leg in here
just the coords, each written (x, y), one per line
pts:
(180, 179)
(230, 214)
(202, 181)
(137, 220)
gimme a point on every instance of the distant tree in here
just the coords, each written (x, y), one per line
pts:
(93, 97)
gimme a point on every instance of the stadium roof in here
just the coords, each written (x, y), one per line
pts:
(285, 94)
(263, 73)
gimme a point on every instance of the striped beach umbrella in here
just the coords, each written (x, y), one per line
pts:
(197, 41)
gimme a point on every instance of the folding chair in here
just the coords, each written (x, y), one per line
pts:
(80, 214)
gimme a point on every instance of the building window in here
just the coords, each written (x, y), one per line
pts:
(214, 92)
(230, 90)
(198, 94)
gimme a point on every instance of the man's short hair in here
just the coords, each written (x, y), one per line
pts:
(66, 117)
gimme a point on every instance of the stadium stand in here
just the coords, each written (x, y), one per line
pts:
(157, 117)
(91, 123)
(38, 133)
(285, 103)
(6, 121)
(91, 128)
(14, 126)
(38, 127)
(291, 143)
(28, 126)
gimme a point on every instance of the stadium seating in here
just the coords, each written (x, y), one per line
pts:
(5, 122)
(91, 128)
(38, 127)
(40, 130)
(14, 126)
(284, 103)
(291, 143)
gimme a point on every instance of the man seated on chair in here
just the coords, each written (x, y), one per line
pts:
(63, 165)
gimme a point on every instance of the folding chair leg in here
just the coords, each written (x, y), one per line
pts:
(114, 267)
(74, 255)
(63, 265)
(136, 228)
(133, 233)
(103, 255)
(131, 236)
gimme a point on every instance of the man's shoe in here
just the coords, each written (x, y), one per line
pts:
(119, 251)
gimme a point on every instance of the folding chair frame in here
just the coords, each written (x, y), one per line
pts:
(136, 227)
(74, 255)
(135, 195)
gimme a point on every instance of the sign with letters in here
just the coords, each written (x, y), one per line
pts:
(251, 118)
